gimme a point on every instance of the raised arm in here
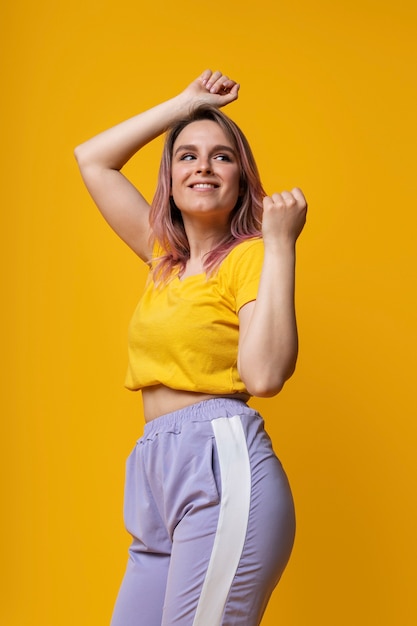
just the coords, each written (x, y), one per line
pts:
(268, 344)
(101, 158)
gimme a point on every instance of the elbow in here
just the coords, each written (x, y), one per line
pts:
(79, 157)
(265, 377)
(267, 385)
(86, 156)
(264, 389)
(261, 385)
(90, 160)
(79, 154)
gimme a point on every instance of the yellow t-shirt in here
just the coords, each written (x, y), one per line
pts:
(184, 334)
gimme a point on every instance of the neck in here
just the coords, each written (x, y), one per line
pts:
(204, 237)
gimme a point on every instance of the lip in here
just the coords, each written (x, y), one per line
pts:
(203, 186)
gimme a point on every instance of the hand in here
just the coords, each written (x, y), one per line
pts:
(212, 88)
(284, 216)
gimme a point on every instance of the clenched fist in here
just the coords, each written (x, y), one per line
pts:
(284, 216)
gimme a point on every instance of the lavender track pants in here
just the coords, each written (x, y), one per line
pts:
(212, 519)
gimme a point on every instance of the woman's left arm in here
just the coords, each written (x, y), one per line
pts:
(268, 343)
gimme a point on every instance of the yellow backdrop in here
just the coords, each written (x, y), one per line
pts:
(328, 101)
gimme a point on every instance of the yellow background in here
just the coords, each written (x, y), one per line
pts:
(328, 102)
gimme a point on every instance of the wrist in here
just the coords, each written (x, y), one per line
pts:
(183, 104)
(279, 245)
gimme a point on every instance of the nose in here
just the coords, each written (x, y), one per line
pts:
(203, 166)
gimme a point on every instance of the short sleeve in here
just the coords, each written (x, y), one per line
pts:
(246, 262)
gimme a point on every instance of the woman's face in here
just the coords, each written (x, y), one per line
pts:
(205, 172)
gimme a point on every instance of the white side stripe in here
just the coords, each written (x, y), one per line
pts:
(232, 523)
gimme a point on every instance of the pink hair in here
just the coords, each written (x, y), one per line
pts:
(165, 217)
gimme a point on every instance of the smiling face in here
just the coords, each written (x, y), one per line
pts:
(205, 172)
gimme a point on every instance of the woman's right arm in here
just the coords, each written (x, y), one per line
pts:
(101, 158)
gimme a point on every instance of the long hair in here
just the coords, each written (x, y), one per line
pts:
(165, 218)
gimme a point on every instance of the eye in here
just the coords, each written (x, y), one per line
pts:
(222, 157)
(187, 157)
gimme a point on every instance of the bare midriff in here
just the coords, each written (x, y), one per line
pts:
(159, 400)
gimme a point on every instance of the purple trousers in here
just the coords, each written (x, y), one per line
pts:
(211, 515)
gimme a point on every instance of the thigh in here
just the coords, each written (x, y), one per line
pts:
(268, 544)
(191, 553)
(227, 557)
(141, 595)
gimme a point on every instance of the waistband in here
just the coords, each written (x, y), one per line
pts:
(204, 411)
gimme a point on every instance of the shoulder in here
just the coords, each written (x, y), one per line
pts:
(245, 252)
(243, 264)
(242, 269)
(248, 244)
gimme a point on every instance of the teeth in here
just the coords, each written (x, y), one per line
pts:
(203, 186)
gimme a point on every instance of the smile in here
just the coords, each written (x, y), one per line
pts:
(204, 186)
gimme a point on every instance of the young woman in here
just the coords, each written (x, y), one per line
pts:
(207, 502)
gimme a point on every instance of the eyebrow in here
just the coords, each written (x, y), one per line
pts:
(193, 148)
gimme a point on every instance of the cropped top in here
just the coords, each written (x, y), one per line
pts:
(184, 333)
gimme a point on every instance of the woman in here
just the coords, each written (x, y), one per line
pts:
(207, 501)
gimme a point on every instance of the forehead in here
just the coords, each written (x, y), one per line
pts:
(202, 131)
